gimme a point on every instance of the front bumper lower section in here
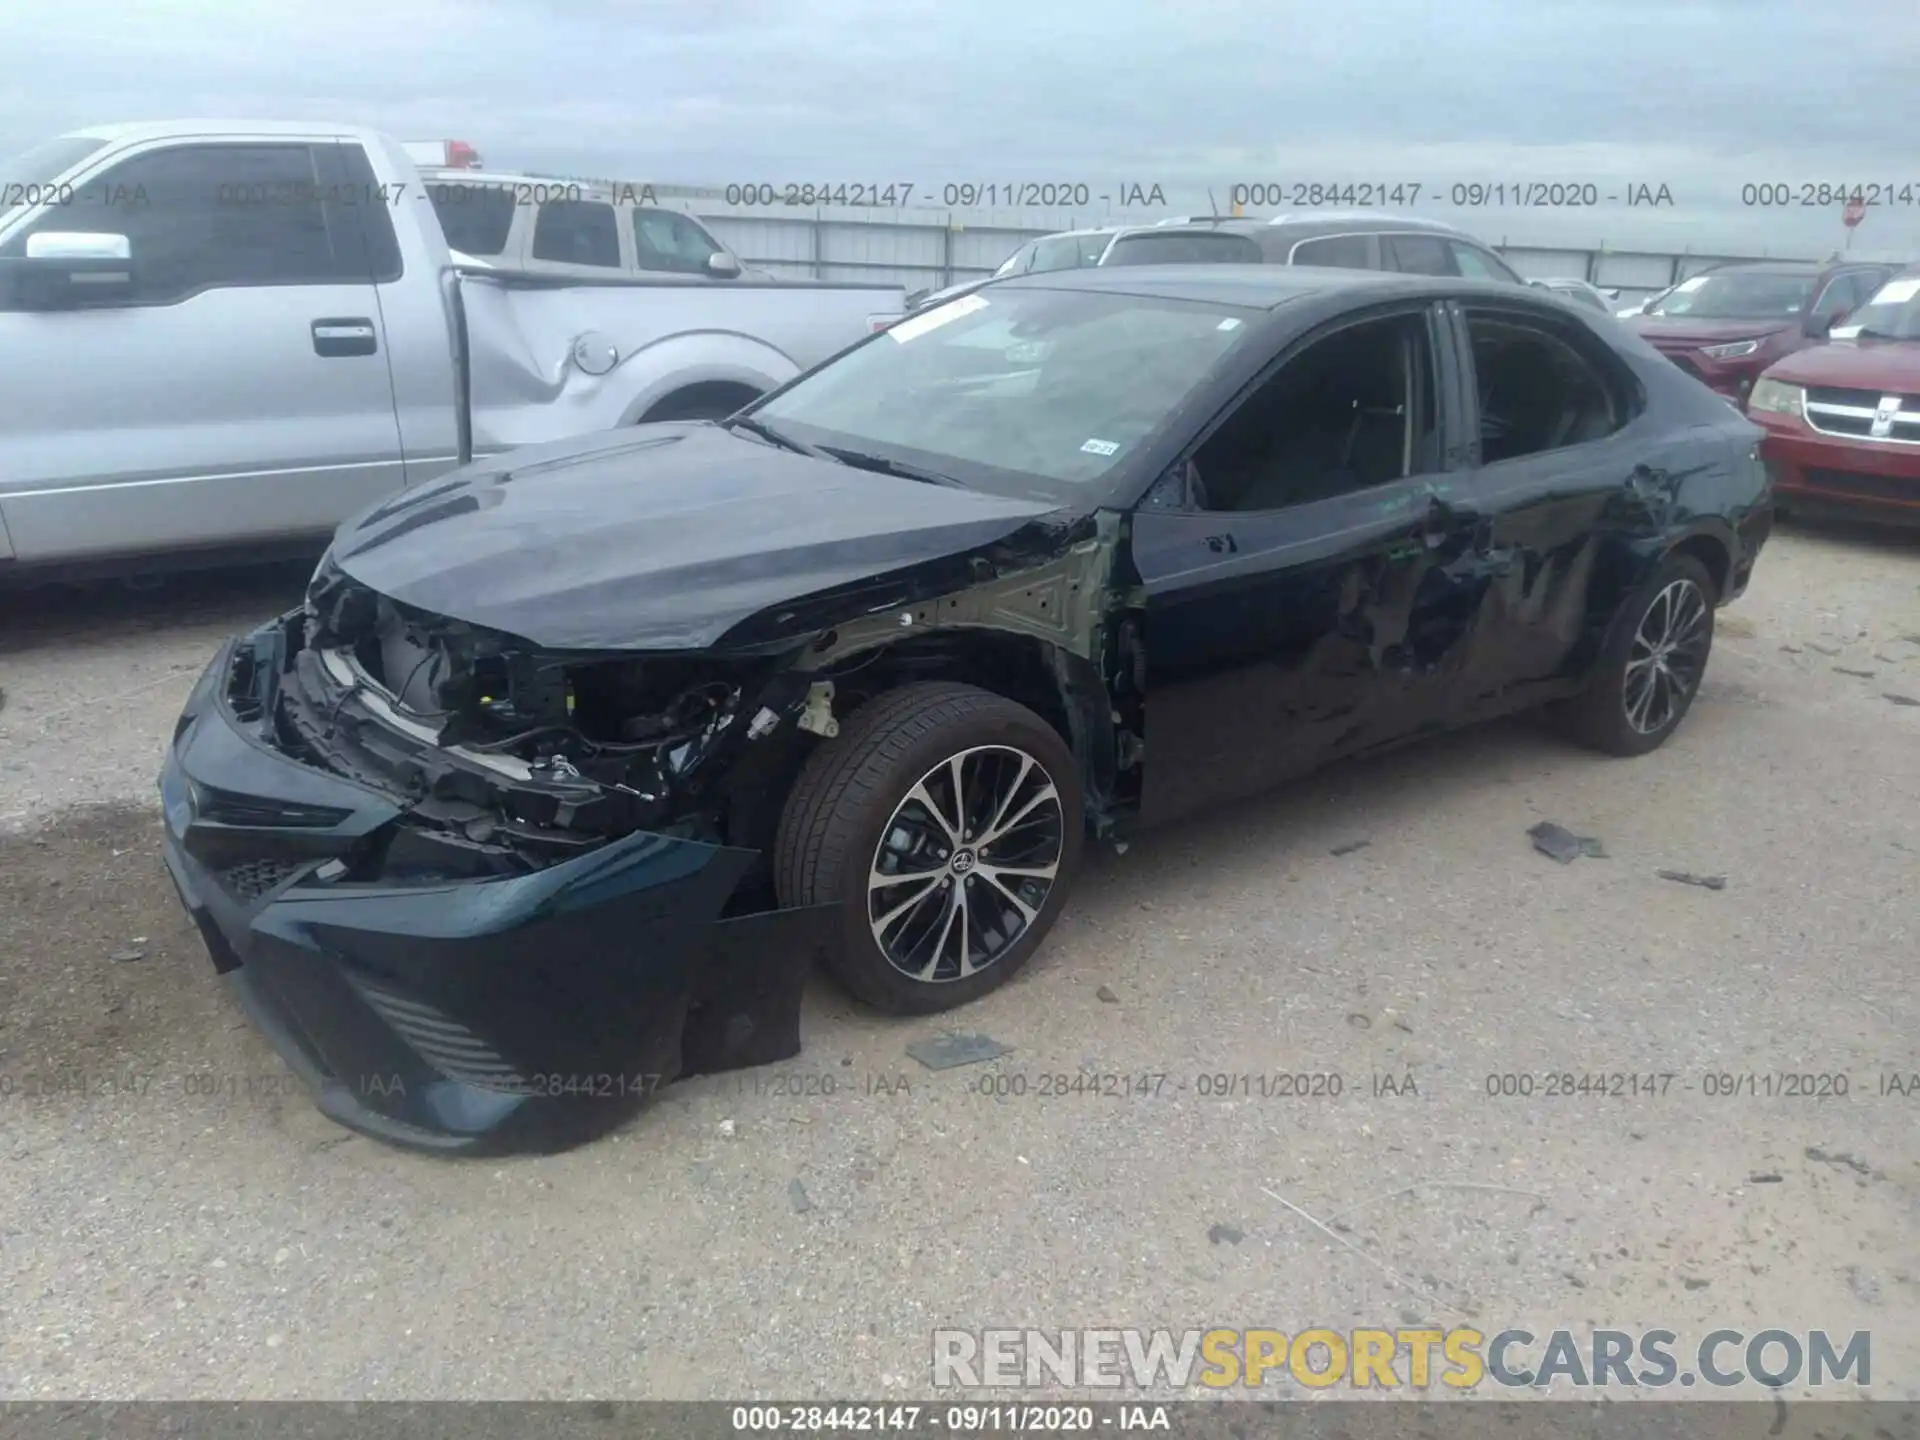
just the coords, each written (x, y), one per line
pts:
(504, 1013)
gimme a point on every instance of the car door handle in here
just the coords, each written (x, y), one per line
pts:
(351, 336)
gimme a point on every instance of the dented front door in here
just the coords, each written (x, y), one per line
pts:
(1279, 639)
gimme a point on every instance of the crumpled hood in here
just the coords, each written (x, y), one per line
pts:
(1678, 331)
(659, 537)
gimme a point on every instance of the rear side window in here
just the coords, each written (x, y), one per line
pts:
(1344, 252)
(1204, 248)
(1536, 390)
(475, 218)
(1420, 254)
(1477, 264)
(577, 232)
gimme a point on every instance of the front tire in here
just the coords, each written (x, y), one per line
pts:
(946, 821)
(1651, 669)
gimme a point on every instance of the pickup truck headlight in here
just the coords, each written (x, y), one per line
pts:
(1778, 398)
(1731, 351)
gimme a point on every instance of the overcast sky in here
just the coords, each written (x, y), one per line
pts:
(1702, 97)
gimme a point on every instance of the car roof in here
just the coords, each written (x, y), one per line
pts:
(1345, 222)
(1253, 287)
(133, 130)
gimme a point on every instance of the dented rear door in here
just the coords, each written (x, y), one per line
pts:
(1567, 533)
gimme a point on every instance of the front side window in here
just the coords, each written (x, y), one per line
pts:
(1016, 263)
(27, 176)
(1067, 252)
(1342, 252)
(1537, 392)
(1737, 295)
(1477, 264)
(1017, 391)
(668, 240)
(201, 217)
(577, 232)
(1351, 411)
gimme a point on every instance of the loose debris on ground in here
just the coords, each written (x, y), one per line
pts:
(1557, 842)
(1687, 877)
(943, 1052)
(1348, 847)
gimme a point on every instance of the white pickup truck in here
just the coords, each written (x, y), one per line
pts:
(224, 336)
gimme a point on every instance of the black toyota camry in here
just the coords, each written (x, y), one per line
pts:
(572, 763)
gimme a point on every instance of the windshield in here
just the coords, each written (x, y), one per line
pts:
(1738, 295)
(23, 175)
(1190, 248)
(1893, 313)
(1053, 386)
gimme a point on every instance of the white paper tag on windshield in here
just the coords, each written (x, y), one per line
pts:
(1228, 324)
(1897, 292)
(1687, 287)
(1101, 447)
(940, 315)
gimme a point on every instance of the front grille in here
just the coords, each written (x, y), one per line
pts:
(251, 879)
(1878, 487)
(1855, 414)
(1865, 399)
(440, 1040)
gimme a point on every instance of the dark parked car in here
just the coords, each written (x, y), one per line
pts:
(1843, 419)
(571, 761)
(1726, 325)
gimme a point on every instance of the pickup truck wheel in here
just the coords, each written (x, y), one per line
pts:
(1646, 678)
(946, 821)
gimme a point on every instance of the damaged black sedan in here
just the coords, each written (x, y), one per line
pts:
(570, 765)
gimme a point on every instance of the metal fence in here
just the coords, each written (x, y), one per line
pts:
(928, 251)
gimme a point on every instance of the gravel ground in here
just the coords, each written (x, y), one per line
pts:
(176, 1221)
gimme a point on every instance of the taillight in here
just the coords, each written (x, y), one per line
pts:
(462, 156)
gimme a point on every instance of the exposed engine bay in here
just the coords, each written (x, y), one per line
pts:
(508, 758)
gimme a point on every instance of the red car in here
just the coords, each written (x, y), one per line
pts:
(1843, 419)
(1726, 325)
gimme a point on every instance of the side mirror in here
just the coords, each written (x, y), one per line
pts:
(1818, 325)
(723, 266)
(63, 268)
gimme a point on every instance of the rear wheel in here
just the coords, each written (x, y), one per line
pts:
(946, 821)
(1647, 677)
